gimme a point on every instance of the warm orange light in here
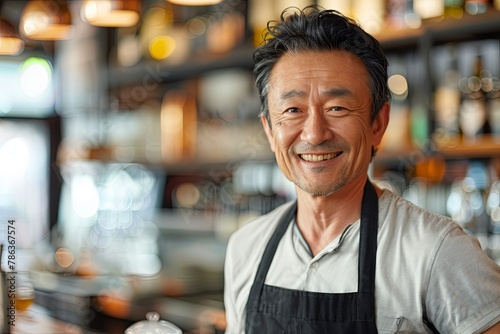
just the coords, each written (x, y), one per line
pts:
(162, 46)
(110, 13)
(114, 304)
(226, 33)
(178, 126)
(46, 20)
(10, 43)
(64, 257)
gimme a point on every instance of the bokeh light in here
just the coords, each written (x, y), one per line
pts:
(17, 153)
(160, 47)
(398, 85)
(35, 76)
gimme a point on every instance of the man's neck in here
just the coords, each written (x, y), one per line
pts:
(322, 218)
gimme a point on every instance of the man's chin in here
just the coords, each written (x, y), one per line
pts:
(318, 191)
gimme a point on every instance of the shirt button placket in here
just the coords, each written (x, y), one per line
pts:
(310, 270)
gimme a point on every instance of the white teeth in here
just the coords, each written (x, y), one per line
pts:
(319, 157)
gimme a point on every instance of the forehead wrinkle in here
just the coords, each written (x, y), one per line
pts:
(331, 92)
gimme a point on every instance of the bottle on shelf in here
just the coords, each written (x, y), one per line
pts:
(447, 103)
(494, 108)
(475, 7)
(397, 138)
(370, 14)
(478, 185)
(473, 120)
(454, 8)
(428, 9)
(403, 13)
(178, 121)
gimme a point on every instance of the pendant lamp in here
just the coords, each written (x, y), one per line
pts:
(195, 2)
(111, 13)
(46, 20)
(10, 42)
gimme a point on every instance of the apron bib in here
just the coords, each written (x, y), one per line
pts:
(273, 310)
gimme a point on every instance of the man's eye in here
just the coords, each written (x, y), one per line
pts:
(337, 108)
(292, 110)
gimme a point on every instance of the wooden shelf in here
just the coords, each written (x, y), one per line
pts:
(439, 31)
(466, 28)
(443, 30)
(391, 39)
(485, 147)
(196, 65)
(431, 32)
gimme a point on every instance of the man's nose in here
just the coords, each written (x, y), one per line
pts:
(316, 128)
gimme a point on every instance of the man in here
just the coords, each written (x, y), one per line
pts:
(346, 256)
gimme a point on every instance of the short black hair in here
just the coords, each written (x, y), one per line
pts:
(318, 29)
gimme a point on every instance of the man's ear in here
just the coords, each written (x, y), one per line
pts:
(380, 123)
(267, 130)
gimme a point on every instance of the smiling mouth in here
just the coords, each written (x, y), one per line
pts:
(319, 157)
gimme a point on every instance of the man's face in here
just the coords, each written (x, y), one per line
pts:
(320, 109)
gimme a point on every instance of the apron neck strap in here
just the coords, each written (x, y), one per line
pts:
(367, 246)
(368, 239)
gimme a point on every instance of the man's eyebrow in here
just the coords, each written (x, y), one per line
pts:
(292, 93)
(336, 92)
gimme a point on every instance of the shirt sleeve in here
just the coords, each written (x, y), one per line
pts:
(463, 294)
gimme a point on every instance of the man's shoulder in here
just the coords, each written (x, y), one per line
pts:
(261, 227)
(399, 213)
(246, 246)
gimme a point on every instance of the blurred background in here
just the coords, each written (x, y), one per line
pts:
(131, 148)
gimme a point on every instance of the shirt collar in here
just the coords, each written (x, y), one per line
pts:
(301, 245)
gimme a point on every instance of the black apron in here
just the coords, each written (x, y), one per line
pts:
(273, 310)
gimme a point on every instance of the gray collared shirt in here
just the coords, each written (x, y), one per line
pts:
(427, 268)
